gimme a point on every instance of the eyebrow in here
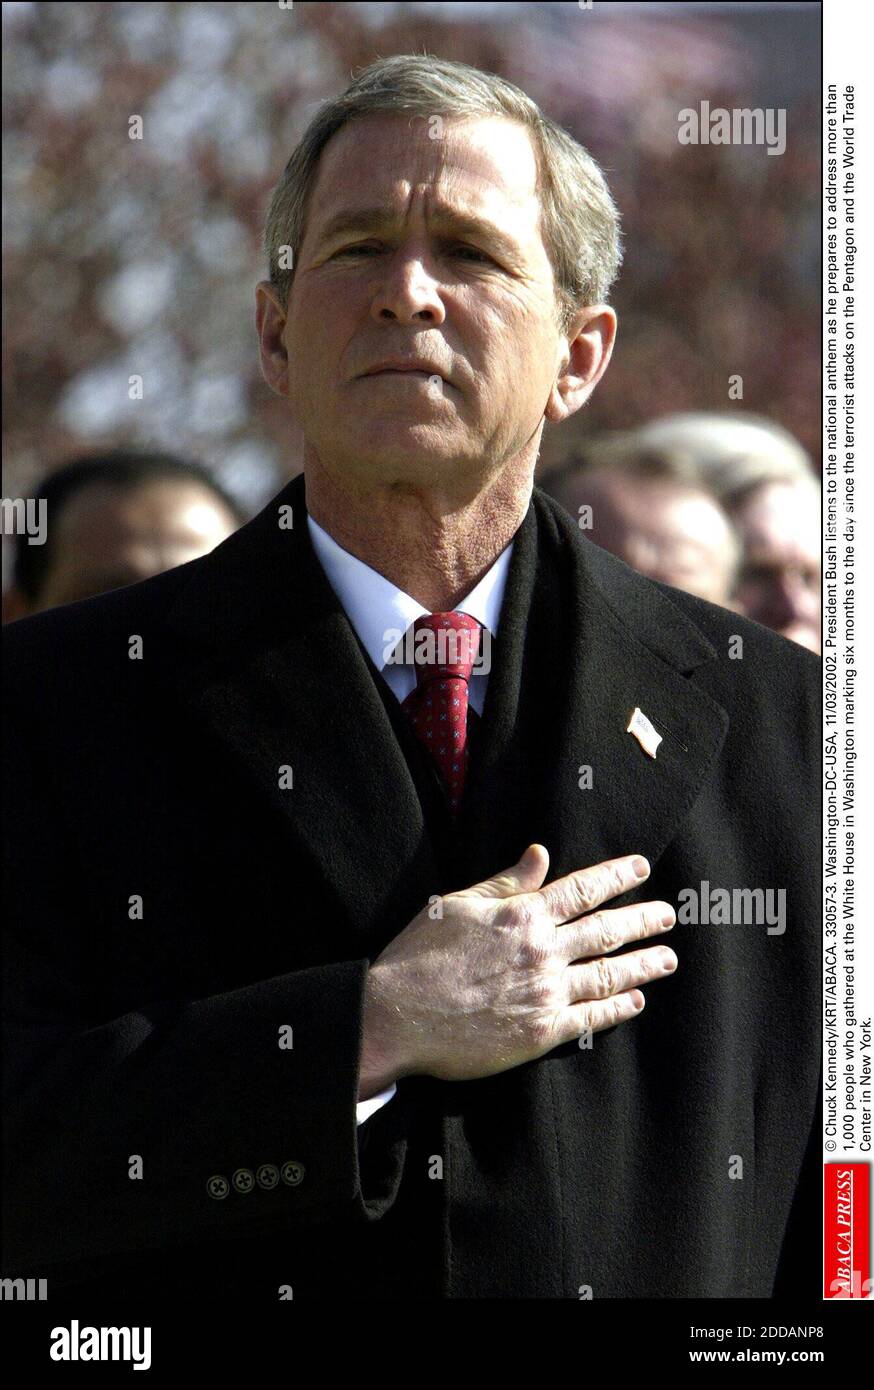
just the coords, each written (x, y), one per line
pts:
(369, 220)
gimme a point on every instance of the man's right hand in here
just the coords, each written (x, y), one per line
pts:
(511, 970)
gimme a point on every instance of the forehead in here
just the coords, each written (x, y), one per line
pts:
(100, 514)
(782, 516)
(655, 503)
(476, 163)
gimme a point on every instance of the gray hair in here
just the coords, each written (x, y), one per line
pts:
(579, 220)
(733, 453)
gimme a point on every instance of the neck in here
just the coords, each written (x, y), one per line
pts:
(433, 545)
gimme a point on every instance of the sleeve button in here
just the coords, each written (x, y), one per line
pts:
(292, 1173)
(217, 1187)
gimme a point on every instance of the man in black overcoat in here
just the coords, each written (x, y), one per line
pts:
(302, 1004)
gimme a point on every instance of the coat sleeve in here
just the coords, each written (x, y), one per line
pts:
(182, 1120)
(800, 1267)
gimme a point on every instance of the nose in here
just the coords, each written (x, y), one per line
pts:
(406, 292)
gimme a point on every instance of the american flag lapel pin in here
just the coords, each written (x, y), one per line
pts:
(643, 731)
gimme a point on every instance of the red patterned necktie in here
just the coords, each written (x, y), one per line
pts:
(438, 706)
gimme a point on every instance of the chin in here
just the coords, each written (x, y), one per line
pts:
(416, 451)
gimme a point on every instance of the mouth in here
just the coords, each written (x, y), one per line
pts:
(405, 371)
(415, 368)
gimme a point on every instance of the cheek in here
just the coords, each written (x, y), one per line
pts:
(320, 324)
(516, 350)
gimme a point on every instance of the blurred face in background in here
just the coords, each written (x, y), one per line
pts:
(107, 537)
(780, 578)
(666, 530)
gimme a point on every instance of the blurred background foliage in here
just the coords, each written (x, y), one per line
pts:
(140, 256)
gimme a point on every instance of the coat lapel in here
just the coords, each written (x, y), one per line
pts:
(583, 640)
(273, 670)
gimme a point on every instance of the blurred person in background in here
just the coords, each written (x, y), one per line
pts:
(649, 507)
(114, 519)
(781, 576)
(765, 481)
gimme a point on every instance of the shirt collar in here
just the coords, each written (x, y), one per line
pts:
(376, 608)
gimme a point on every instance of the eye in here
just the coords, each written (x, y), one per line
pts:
(757, 574)
(459, 250)
(472, 251)
(355, 250)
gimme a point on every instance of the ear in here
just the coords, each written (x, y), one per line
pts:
(588, 347)
(270, 320)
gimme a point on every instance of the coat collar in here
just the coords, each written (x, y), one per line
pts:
(273, 669)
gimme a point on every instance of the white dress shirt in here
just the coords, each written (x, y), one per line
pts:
(376, 608)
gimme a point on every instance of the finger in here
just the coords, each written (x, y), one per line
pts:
(615, 975)
(568, 897)
(602, 932)
(596, 1014)
(523, 877)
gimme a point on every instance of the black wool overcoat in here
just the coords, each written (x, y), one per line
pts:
(215, 821)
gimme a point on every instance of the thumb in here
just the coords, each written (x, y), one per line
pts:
(522, 877)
